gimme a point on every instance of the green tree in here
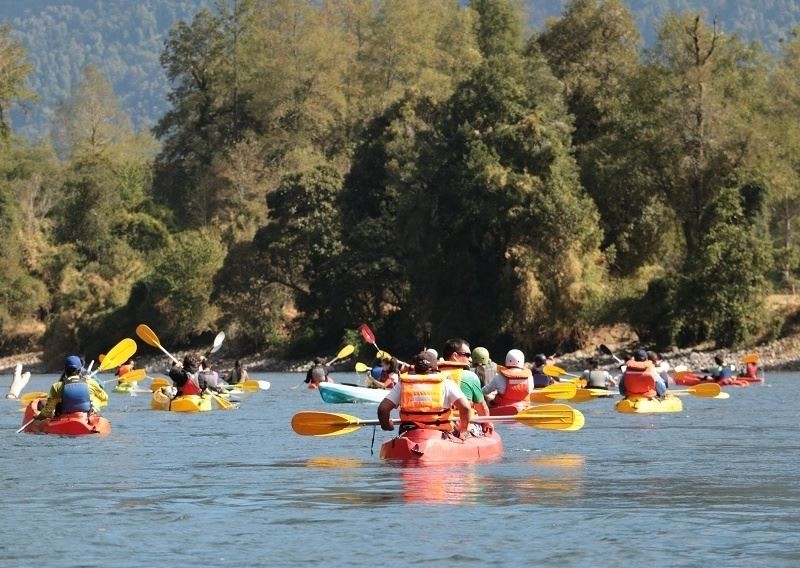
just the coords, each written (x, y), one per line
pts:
(14, 71)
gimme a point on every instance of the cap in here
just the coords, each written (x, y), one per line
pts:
(73, 363)
(515, 358)
(480, 356)
(640, 355)
(425, 362)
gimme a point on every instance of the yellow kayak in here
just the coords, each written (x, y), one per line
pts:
(643, 405)
(186, 403)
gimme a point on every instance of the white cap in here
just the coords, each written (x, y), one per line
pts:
(515, 358)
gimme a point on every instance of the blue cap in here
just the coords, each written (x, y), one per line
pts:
(376, 372)
(73, 363)
(640, 355)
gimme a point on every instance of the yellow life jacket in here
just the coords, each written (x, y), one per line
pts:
(422, 401)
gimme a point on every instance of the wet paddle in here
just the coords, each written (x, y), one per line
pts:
(29, 396)
(557, 391)
(705, 390)
(369, 336)
(546, 416)
(345, 351)
(217, 343)
(605, 349)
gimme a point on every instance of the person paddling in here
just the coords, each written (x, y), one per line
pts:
(426, 398)
(641, 378)
(126, 367)
(387, 376)
(483, 366)
(513, 382)
(238, 374)
(75, 391)
(540, 380)
(720, 371)
(184, 376)
(456, 360)
(597, 378)
(318, 373)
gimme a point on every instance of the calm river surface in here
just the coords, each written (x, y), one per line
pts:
(715, 485)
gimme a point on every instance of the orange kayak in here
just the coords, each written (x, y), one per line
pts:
(72, 424)
(426, 446)
(690, 380)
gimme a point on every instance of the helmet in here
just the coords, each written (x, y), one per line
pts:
(515, 358)
(540, 359)
(480, 356)
(433, 352)
(375, 372)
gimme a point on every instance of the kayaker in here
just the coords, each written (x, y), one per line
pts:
(483, 366)
(540, 380)
(597, 378)
(318, 373)
(750, 370)
(662, 367)
(207, 378)
(640, 378)
(75, 391)
(126, 367)
(456, 358)
(720, 371)
(426, 398)
(388, 374)
(184, 376)
(237, 375)
(513, 382)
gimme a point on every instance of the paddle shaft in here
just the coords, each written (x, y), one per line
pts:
(28, 423)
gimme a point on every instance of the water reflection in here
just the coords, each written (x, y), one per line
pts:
(439, 484)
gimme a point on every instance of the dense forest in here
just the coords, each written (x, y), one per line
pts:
(434, 168)
(124, 40)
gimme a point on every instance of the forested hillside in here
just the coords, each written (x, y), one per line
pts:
(124, 40)
(434, 168)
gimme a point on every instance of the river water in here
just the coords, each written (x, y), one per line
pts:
(714, 485)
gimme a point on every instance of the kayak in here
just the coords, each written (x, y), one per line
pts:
(690, 380)
(751, 379)
(514, 408)
(126, 388)
(642, 405)
(336, 393)
(424, 445)
(184, 403)
(72, 424)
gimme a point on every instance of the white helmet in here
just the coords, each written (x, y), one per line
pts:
(433, 352)
(515, 358)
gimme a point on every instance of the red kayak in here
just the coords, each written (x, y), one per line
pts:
(423, 445)
(73, 424)
(751, 379)
(691, 379)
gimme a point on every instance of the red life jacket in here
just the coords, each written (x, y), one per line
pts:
(516, 385)
(639, 379)
(190, 387)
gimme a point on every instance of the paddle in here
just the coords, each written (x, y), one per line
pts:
(118, 354)
(546, 416)
(217, 343)
(558, 391)
(250, 385)
(158, 383)
(148, 336)
(706, 390)
(368, 336)
(345, 351)
(750, 358)
(554, 371)
(361, 368)
(222, 403)
(605, 349)
(29, 396)
(130, 377)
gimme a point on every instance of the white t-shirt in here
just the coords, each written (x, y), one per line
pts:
(452, 392)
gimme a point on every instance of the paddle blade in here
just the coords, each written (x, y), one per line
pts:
(118, 354)
(361, 368)
(383, 355)
(553, 371)
(709, 390)
(552, 417)
(217, 342)
(605, 349)
(346, 351)
(158, 383)
(147, 335)
(560, 391)
(750, 358)
(222, 403)
(310, 423)
(366, 333)
(29, 396)
(133, 376)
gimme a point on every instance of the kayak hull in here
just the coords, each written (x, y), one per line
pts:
(434, 446)
(643, 405)
(73, 424)
(335, 393)
(184, 403)
(689, 380)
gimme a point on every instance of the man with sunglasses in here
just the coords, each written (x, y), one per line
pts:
(456, 362)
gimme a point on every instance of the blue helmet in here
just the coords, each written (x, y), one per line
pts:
(376, 372)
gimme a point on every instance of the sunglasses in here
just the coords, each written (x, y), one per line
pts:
(465, 354)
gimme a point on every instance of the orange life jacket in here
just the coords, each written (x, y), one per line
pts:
(124, 369)
(639, 379)
(422, 401)
(516, 385)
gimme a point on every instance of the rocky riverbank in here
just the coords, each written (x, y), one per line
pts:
(779, 355)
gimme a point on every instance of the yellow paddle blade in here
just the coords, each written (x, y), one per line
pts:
(147, 335)
(345, 351)
(101, 357)
(133, 376)
(383, 355)
(223, 403)
(29, 396)
(582, 395)
(311, 423)
(553, 371)
(551, 417)
(539, 396)
(750, 358)
(705, 389)
(361, 368)
(560, 391)
(118, 354)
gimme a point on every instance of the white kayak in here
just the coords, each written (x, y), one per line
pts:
(336, 393)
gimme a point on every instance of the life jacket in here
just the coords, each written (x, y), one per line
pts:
(124, 369)
(540, 380)
(206, 378)
(516, 385)
(75, 396)
(751, 370)
(639, 380)
(453, 373)
(190, 387)
(596, 380)
(422, 401)
(387, 375)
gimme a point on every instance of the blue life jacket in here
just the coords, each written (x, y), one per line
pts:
(75, 395)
